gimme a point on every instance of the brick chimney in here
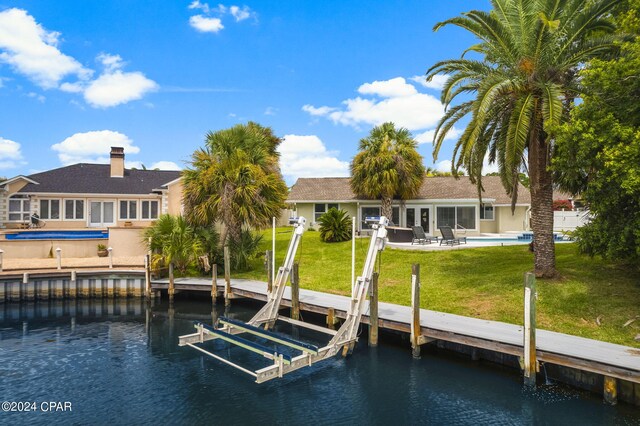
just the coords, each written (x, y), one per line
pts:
(117, 161)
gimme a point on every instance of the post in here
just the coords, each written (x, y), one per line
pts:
(331, 318)
(110, 251)
(214, 283)
(373, 311)
(295, 293)
(73, 289)
(353, 256)
(227, 277)
(610, 390)
(22, 289)
(59, 257)
(147, 276)
(171, 283)
(273, 251)
(415, 310)
(268, 256)
(530, 361)
(1, 259)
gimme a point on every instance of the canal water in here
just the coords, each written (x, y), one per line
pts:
(118, 362)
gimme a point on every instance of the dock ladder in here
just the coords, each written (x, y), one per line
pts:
(343, 339)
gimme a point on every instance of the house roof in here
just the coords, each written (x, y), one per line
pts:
(433, 188)
(96, 179)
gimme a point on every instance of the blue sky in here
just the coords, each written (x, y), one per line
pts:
(77, 77)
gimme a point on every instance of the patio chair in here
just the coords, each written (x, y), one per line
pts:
(449, 238)
(36, 222)
(419, 236)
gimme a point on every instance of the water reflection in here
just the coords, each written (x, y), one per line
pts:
(118, 362)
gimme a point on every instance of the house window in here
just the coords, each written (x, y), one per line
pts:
(19, 208)
(369, 212)
(129, 210)
(320, 209)
(149, 210)
(74, 209)
(457, 217)
(50, 209)
(486, 212)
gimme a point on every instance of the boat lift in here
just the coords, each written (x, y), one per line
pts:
(343, 339)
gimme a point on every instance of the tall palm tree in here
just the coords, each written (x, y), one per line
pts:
(387, 166)
(235, 179)
(522, 87)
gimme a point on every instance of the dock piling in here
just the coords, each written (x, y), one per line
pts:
(147, 276)
(214, 283)
(331, 318)
(530, 361)
(415, 310)
(610, 390)
(227, 277)
(373, 311)
(172, 288)
(1, 258)
(268, 256)
(295, 293)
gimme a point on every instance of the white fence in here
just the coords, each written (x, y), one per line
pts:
(569, 220)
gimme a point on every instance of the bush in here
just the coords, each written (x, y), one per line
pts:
(335, 226)
(559, 205)
(242, 252)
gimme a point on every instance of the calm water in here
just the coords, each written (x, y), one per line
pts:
(119, 363)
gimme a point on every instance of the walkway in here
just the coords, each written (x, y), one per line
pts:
(584, 354)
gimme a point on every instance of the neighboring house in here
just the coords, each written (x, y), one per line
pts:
(441, 201)
(90, 195)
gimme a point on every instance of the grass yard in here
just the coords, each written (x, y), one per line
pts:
(482, 282)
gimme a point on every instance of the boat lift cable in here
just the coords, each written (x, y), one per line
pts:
(343, 339)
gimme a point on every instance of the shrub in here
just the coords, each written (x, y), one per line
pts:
(173, 240)
(562, 205)
(242, 252)
(335, 226)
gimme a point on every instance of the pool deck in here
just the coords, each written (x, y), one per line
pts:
(13, 266)
(595, 356)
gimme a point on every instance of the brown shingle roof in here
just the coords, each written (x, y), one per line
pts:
(434, 188)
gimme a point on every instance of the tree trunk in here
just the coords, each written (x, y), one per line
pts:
(541, 181)
(386, 209)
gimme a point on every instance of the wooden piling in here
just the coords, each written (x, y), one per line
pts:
(373, 311)
(331, 318)
(227, 277)
(147, 276)
(214, 283)
(172, 288)
(73, 285)
(1, 259)
(295, 293)
(530, 361)
(415, 310)
(610, 390)
(268, 258)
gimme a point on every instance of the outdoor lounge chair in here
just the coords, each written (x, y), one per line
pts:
(36, 222)
(419, 236)
(449, 238)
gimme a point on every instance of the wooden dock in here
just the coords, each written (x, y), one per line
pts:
(606, 359)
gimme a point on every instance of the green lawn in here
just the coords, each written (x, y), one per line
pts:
(481, 282)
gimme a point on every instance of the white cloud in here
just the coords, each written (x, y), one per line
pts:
(437, 82)
(240, 14)
(307, 156)
(92, 147)
(33, 51)
(402, 104)
(396, 87)
(40, 98)
(111, 89)
(270, 111)
(197, 5)
(165, 165)
(72, 87)
(443, 166)
(110, 62)
(489, 168)
(206, 25)
(427, 137)
(10, 154)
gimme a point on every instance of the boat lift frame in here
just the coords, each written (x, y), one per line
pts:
(343, 339)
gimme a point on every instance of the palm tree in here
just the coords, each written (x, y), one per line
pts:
(523, 87)
(387, 166)
(235, 179)
(174, 241)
